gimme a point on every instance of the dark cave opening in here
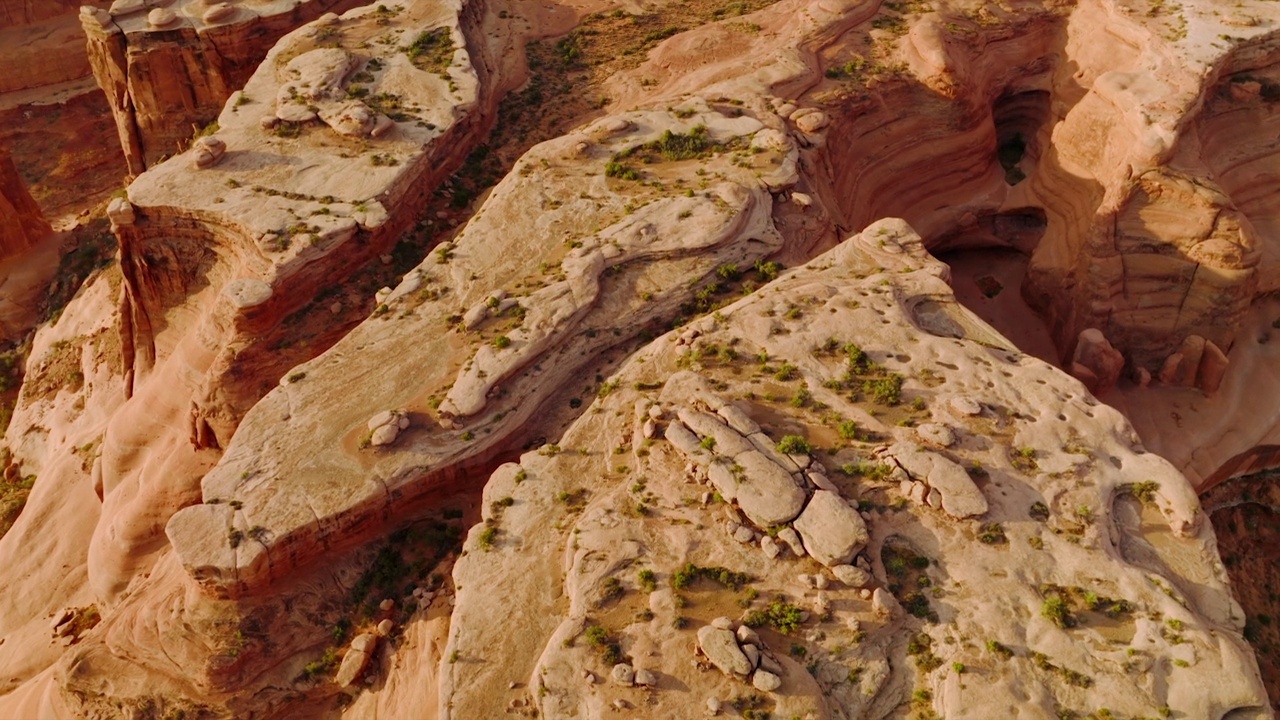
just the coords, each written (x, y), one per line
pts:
(1019, 118)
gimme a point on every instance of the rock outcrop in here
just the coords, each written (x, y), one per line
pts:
(246, 471)
(168, 72)
(630, 520)
(478, 396)
(21, 223)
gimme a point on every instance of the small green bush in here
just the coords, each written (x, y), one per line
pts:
(794, 445)
(781, 615)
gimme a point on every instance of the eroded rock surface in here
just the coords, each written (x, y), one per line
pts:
(1064, 553)
(846, 459)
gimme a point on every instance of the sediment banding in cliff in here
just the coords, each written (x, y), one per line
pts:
(166, 82)
(232, 268)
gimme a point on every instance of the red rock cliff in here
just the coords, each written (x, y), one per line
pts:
(21, 223)
(164, 81)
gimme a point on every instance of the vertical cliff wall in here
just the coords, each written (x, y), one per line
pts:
(21, 223)
(169, 73)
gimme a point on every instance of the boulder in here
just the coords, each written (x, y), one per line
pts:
(721, 648)
(218, 12)
(353, 665)
(352, 118)
(647, 678)
(728, 442)
(766, 493)
(1103, 362)
(832, 531)
(961, 498)
(207, 151)
(364, 642)
(765, 681)
(120, 212)
(1213, 367)
(820, 480)
(161, 17)
(721, 475)
(685, 441)
(738, 420)
(936, 433)
(789, 536)
(623, 674)
(965, 407)
(770, 547)
(384, 435)
(852, 576)
(884, 603)
(809, 120)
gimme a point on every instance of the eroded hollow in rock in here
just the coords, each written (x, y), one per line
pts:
(1019, 118)
(988, 261)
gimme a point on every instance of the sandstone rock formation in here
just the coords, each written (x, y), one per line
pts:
(41, 44)
(488, 382)
(167, 79)
(1064, 557)
(649, 424)
(21, 223)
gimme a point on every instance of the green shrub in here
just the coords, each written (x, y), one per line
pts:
(432, 50)
(992, 534)
(781, 615)
(621, 171)
(1055, 609)
(886, 390)
(794, 445)
(997, 648)
(848, 430)
(648, 580)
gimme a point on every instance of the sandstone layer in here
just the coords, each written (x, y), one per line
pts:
(1072, 591)
(167, 71)
(21, 223)
(259, 484)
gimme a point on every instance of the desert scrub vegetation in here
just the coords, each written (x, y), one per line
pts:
(728, 281)
(11, 364)
(13, 495)
(908, 580)
(94, 249)
(58, 369)
(794, 445)
(1144, 492)
(1024, 459)
(862, 374)
(604, 643)
(778, 614)
(432, 51)
(689, 573)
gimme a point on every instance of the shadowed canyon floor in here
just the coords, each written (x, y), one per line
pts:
(805, 359)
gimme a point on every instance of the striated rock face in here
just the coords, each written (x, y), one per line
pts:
(1072, 525)
(166, 81)
(588, 274)
(245, 474)
(1163, 233)
(21, 224)
(217, 248)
